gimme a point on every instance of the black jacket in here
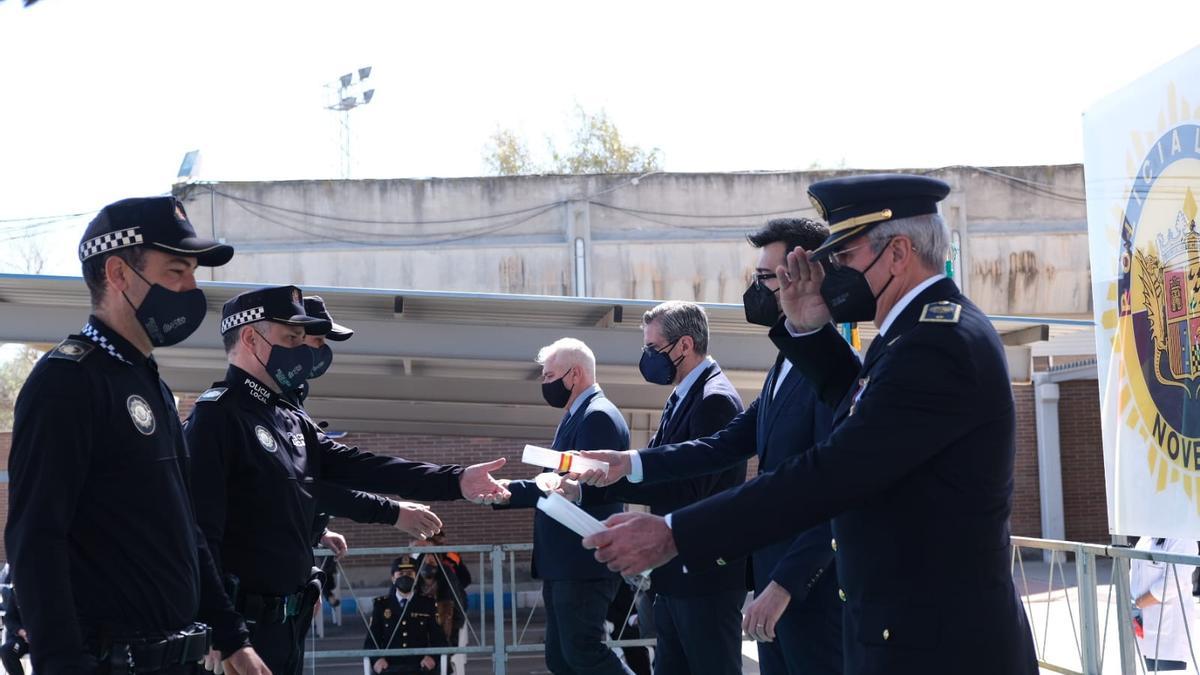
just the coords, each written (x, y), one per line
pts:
(917, 476)
(260, 464)
(411, 627)
(710, 403)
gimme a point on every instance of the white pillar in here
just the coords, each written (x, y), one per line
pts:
(1049, 457)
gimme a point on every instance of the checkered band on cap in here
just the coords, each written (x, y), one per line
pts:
(243, 317)
(109, 241)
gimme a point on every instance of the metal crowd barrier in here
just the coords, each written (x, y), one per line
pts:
(491, 572)
(1096, 630)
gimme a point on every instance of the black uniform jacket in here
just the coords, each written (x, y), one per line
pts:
(101, 532)
(917, 476)
(411, 627)
(259, 464)
(710, 403)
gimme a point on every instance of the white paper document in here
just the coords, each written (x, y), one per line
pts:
(570, 516)
(561, 462)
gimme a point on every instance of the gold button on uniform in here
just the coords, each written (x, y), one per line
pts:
(842, 595)
(886, 634)
(833, 544)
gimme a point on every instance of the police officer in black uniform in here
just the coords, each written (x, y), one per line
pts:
(260, 462)
(404, 619)
(917, 474)
(101, 531)
(361, 507)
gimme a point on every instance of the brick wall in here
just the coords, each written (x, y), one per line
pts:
(1026, 511)
(1082, 462)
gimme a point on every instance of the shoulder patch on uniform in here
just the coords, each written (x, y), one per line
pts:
(941, 312)
(71, 350)
(212, 394)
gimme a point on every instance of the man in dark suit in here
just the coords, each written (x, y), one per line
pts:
(576, 589)
(697, 616)
(796, 615)
(918, 471)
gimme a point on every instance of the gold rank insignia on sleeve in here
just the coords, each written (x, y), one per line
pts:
(941, 312)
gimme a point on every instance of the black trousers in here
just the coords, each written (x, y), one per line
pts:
(575, 614)
(281, 645)
(699, 635)
(11, 653)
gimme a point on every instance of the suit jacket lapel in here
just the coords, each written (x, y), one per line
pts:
(566, 433)
(694, 394)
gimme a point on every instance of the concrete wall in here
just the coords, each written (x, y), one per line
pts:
(1022, 234)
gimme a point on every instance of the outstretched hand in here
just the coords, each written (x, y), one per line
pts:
(619, 466)
(478, 485)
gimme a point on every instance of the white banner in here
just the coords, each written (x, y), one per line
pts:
(1142, 162)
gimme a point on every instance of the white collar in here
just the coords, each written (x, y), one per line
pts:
(686, 384)
(904, 302)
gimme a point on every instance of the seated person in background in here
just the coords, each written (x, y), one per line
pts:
(441, 577)
(403, 619)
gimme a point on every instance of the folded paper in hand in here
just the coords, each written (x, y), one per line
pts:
(561, 462)
(572, 517)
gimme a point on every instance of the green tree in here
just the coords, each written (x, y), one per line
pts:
(507, 155)
(13, 373)
(596, 147)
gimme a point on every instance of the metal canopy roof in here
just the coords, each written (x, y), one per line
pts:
(429, 362)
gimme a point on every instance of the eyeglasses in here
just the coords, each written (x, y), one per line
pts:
(837, 259)
(760, 277)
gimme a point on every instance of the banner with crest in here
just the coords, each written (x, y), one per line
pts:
(1142, 167)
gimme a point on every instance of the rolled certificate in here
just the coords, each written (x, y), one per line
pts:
(570, 516)
(561, 462)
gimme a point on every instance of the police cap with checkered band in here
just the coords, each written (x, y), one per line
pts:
(154, 222)
(314, 305)
(280, 304)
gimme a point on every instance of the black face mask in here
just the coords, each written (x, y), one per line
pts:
(556, 392)
(761, 305)
(657, 367)
(847, 293)
(428, 572)
(322, 358)
(288, 366)
(404, 584)
(167, 316)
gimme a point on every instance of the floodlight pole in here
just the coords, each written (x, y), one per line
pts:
(348, 94)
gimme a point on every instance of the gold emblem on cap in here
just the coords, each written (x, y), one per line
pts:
(296, 294)
(864, 219)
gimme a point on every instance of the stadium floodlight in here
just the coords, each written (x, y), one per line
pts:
(190, 167)
(345, 94)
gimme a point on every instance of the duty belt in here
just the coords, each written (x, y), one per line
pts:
(268, 609)
(148, 653)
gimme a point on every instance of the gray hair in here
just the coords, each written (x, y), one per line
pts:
(929, 235)
(570, 352)
(677, 318)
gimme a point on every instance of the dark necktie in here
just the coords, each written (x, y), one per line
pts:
(668, 410)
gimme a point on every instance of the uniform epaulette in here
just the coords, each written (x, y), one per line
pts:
(212, 394)
(941, 312)
(71, 350)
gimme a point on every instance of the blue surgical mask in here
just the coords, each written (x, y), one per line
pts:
(657, 367)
